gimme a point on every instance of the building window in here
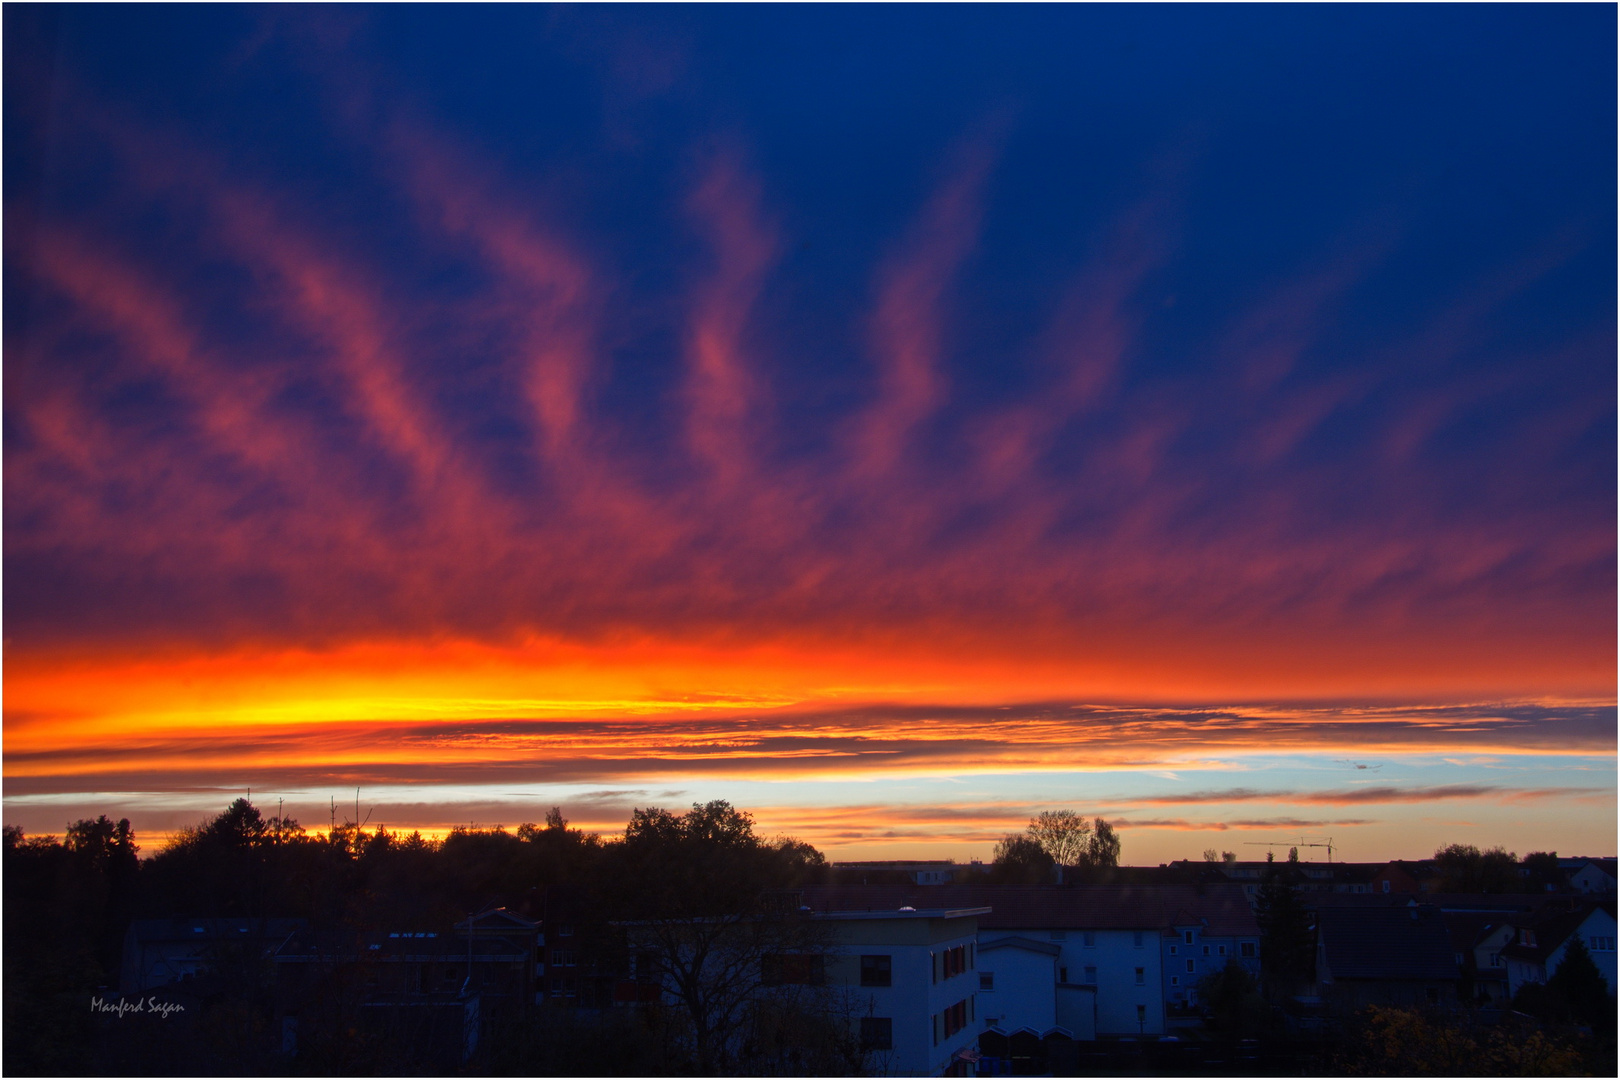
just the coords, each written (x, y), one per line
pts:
(1089, 939)
(1172, 950)
(954, 961)
(1223, 950)
(1141, 1014)
(1386, 885)
(1186, 936)
(1175, 980)
(563, 957)
(565, 931)
(1091, 975)
(1190, 966)
(876, 971)
(1206, 950)
(1063, 975)
(936, 1028)
(955, 1017)
(877, 1033)
(987, 980)
(1246, 949)
(1141, 976)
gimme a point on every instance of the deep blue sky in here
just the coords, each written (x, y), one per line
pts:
(959, 357)
(1357, 258)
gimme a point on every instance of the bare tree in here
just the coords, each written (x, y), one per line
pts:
(718, 928)
(1062, 834)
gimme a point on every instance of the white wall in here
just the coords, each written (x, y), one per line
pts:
(1592, 878)
(1025, 988)
(914, 998)
(1598, 924)
(1077, 1010)
(1116, 954)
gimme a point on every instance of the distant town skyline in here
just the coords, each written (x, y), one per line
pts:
(896, 421)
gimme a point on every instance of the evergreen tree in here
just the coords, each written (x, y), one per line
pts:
(1580, 987)
(1287, 937)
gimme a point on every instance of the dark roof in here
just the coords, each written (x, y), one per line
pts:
(343, 945)
(1020, 943)
(1576, 862)
(1223, 909)
(1551, 928)
(1419, 869)
(1468, 928)
(148, 931)
(1313, 899)
(1517, 903)
(496, 921)
(1386, 943)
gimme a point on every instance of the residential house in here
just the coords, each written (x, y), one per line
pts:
(1477, 941)
(503, 923)
(910, 980)
(1018, 983)
(1403, 876)
(578, 968)
(428, 995)
(896, 872)
(165, 952)
(1113, 944)
(1202, 938)
(1592, 876)
(1542, 939)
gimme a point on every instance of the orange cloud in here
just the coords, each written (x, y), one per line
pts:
(559, 711)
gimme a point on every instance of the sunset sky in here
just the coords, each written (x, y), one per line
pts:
(894, 420)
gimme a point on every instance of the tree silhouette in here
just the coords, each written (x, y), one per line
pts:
(1287, 940)
(1021, 860)
(1465, 868)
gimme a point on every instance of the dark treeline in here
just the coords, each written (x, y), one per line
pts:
(69, 903)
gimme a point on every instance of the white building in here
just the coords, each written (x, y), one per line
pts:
(1593, 877)
(1540, 943)
(1107, 977)
(1018, 984)
(910, 981)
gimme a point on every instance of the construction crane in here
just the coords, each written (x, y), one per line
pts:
(1304, 841)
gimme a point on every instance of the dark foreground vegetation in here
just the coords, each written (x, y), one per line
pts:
(69, 904)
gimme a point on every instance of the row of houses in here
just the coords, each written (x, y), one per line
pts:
(932, 979)
(1584, 875)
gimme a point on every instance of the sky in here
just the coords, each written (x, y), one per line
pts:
(895, 420)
